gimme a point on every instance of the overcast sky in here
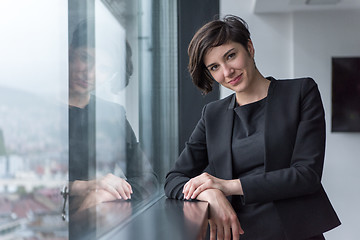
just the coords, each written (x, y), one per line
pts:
(33, 45)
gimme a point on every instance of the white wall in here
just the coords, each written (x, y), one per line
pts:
(302, 44)
(318, 36)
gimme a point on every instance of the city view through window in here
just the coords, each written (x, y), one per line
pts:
(55, 53)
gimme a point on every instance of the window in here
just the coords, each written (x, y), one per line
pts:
(88, 88)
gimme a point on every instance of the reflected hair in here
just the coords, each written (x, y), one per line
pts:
(84, 36)
(213, 34)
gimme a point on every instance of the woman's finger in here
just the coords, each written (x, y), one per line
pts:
(129, 190)
(190, 192)
(198, 190)
(123, 188)
(212, 230)
(122, 193)
(241, 231)
(185, 189)
(220, 232)
(190, 183)
(126, 188)
(187, 186)
(227, 232)
(129, 186)
(235, 230)
(196, 181)
(112, 190)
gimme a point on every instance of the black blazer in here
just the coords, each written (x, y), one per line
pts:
(294, 156)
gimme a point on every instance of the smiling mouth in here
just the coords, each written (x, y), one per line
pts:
(83, 83)
(235, 80)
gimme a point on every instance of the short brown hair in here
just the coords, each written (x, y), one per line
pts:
(213, 34)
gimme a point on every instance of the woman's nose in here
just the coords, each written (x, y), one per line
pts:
(228, 71)
(91, 73)
(87, 73)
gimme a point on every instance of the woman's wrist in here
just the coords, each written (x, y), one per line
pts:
(233, 187)
(79, 187)
(209, 195)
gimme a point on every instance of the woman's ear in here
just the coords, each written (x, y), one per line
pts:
(250, 48)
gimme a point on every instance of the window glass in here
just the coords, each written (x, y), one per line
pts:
(122, 110)
(88, 104)
(33, 122)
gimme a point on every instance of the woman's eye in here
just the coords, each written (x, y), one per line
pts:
(213, 68)
(83, 57)
(231, 55)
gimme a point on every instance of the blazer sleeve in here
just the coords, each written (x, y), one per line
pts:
(191, 162)
(303, 174)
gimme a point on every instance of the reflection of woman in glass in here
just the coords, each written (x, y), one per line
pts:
(256, 156)
(101, 139)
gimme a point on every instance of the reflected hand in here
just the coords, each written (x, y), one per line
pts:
(222, 217)
(113, 212)
(192, 211)
(116, 186)
(94, 198)
(205, 181)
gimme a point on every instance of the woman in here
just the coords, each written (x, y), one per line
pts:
(256, 156)
(100, 137)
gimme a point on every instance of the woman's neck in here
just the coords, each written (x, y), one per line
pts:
(256, 91)
(79, 100)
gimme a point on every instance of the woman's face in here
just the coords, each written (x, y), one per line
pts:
(82, 70)
(232, 66)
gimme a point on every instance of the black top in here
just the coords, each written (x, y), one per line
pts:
(102, 141)
(81, 147)
(248, 159)
(294, 140)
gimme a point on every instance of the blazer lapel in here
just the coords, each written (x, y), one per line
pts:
(222, 153)
(277, 135)
(271, 127)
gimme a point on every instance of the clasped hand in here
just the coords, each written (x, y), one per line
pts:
(116, 186)
(104, 189)
(223, 220)
(205, 181)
